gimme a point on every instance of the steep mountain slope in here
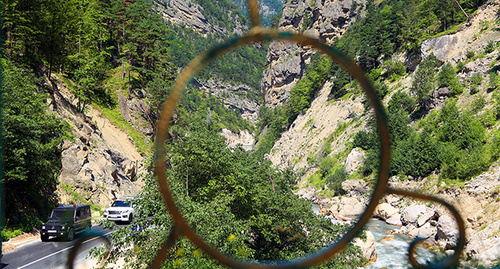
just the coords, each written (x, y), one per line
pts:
(232, 78)
(207, 19)
(319, 141)
(101, 163)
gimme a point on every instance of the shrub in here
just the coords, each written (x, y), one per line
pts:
(8, 233)
(474, 89)
(395, 68)
(470, 54)
(375, 74)
(490, 47)
(401, 100)
(477, 104)
(335, 181)
(494, 80)
(325, 165)
(446, 75)
(476, 78)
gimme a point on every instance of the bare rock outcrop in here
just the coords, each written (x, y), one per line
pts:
(367, 246)
(311, 130)
(287, 61)
(447, 231)
(101, 163)
(191, 14)
(485, 245)
(473, 36)
(239, 98)
(354, 160)
(244, 139)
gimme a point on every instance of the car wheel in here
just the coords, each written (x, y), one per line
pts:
(130, 218)
(44, 238)
(71, 235)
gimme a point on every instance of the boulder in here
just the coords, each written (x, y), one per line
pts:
(368, 247)
(350, 206)
(425, 232)
(430, 214)
(385, 211)
(411, 214)
(355, 185)
(354, 160)
(394, 220)
(72, 160)
(447, 231)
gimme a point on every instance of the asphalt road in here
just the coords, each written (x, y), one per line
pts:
(51, 254)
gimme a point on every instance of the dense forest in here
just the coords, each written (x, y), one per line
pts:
(235, 201)
(252, 212)
(81, 42)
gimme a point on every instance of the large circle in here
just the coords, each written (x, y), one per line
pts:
(259, 34)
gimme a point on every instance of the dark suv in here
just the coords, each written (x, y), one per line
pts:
(65, 221)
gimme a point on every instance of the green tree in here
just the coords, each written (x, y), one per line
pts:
(447, 77)
(235, 201)
(423, 83)
(31, 147)
(494, 80)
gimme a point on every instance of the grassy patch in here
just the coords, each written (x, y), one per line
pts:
(114, 115)
(308, 124)
(112, 84)
(8, 233)
(316, 181)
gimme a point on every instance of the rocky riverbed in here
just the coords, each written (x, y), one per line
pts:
(477, 201)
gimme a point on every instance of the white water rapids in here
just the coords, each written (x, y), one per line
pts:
(393, 253)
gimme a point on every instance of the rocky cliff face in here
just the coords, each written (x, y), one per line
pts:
(191, 14)
(238, 98)
(100, 163)
(324, 124)
(325, 20)
(472, 36)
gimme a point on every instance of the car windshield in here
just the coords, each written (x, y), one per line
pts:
(62, 214)
(120, 204)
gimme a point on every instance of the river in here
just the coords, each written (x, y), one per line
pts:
(392, 253)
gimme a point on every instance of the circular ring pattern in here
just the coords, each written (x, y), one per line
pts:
(85, 237)
(259, 34)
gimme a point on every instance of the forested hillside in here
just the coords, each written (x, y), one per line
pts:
(111, 53)
(434, 65)
(79, 42)
(99, 51)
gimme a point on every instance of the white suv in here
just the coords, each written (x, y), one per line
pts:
(120, 210)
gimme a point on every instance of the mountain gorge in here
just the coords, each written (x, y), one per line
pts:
(304, 125)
